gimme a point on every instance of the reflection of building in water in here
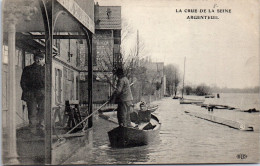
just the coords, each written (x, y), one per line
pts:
(27, 25)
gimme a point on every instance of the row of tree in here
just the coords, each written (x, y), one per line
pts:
(173, 80)
(200, 90)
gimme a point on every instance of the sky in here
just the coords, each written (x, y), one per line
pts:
(222, 52)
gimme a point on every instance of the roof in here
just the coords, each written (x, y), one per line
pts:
(70, 16)
(107, 17)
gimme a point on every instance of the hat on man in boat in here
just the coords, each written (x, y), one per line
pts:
(118, 71)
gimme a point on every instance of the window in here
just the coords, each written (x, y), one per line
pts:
(94, 53)
(77, 54)
(5, 54)
(58, 87)
(18, 57)
(72, 87)
(28, 58)
(68, 84)
(65, 92)
(56, 43)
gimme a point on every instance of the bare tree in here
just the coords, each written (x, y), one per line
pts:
(172, 79)
(127, 59)
(132, 60)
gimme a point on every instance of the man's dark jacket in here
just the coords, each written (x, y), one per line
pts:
(32, 81)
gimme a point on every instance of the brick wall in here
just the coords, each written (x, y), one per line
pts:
(104, 50)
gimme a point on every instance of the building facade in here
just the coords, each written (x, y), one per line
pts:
(65, 36)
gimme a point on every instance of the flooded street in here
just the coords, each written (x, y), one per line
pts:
(182, 139)
(65, 62)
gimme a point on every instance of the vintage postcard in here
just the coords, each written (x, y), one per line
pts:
(130, 82)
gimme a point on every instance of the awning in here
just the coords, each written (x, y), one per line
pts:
(67, 15)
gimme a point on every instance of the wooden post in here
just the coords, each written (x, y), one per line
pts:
(11, 122)
(47, 14)
(183, 78)
(48, 83)
(90, 79)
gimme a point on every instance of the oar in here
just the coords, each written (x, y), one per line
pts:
(91, 115)
(87, 117)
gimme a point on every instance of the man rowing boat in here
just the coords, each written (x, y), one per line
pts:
(123, 97)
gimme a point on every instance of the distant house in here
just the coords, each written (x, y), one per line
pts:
(156, 72)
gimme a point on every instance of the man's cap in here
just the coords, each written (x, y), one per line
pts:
(39, 54)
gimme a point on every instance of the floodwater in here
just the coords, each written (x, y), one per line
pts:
(183, 138)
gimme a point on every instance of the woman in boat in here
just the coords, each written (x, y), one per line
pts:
(144, 115)
(123, 97)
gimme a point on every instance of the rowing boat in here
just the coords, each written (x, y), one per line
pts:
(151, 108)
(191, 101)
(142, 134)
(209, 96)
(176, 97)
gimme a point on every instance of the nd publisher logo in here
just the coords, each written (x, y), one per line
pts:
(241, 156)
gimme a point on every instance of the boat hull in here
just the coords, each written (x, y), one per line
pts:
(150, 108)
(153, 108)
(191, 101)
(128, 137)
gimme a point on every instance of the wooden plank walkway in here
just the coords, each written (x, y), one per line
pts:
(222, 121)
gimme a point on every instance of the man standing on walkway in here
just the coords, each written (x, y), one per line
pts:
(123, 97)
(33, 86)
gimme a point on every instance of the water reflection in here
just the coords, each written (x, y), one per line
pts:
(128, 155)
(182, 139)
(103, 153)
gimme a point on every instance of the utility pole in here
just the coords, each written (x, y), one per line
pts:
(183, 77)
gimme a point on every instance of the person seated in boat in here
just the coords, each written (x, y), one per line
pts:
(144, 115)
(141, 117)
(141, 114)
(134, 113)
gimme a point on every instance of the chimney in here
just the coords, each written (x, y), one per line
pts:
(96, 14)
